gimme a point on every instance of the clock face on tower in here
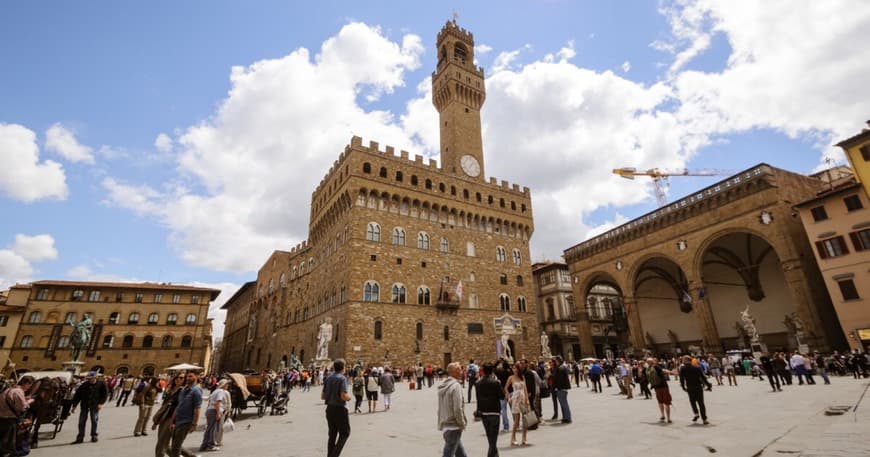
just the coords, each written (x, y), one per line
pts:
(470, 166)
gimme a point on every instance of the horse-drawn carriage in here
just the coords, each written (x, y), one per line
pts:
(254, 389)
(48, 392)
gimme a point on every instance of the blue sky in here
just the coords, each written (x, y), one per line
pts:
(574, 89)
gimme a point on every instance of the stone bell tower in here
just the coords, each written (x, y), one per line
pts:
(458, 93)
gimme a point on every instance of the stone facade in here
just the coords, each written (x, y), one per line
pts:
(235, 338)
(387, 231)
(138, 327)
(686, 270)
(557, 314)
(838, 224)
(11, 313)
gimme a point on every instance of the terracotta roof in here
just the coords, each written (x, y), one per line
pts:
(842, 188)
(128, 285)
(852, 141)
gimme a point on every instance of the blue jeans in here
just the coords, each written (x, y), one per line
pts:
(563, 403)
(504, 415)
(453, 444)
(83, 421)
(824, 373)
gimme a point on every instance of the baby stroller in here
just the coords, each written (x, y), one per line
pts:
(279, 404)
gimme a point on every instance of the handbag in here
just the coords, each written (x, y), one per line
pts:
(530, 419)
(545, 392)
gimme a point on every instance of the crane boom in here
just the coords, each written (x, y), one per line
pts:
(660, 177)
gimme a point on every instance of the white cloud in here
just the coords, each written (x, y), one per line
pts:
(504, 60)
(16, 260)
(26, 178)
(482, 49)
(80, 272)
(793, 70)
(626, 66)
(163, 143)
(62, 141)
(266, 148)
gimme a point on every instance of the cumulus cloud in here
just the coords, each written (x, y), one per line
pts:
(62, 141)
(261, 154)
(16, 260)
(27, 179)
(626, 66)
(163, 143)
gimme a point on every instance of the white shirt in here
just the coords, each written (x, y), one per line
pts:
(219, 395)
(797, 360)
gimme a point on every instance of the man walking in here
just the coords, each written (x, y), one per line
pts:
(336, 397)
(126, 388)
(451, 414)
(186, 414)
(489, 397)
(214, 414)
(12, 406)
(471, 374)
(91, 394)
(656, 376)
(562, 383)
(693, 380)
(768, 367)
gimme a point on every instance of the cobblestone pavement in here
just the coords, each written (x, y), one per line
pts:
(748, 420)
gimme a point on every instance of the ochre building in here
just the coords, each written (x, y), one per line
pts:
(857, 150)
(837, 222)
(406, 260)
(683, 273)
(139, 328)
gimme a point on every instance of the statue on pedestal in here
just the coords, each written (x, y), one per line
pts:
(81, 336)
(749, 325)
(545, 346)
(323, 337)
(506, 348)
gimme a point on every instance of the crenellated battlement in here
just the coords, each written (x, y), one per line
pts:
(300, 248)
(450, 28)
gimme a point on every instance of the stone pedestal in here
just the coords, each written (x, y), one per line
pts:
(74, 367)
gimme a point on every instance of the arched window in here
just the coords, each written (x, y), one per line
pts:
(190, 319)
(518, 258)
(399, 176)
(383, 172)
(419, 330)
(505, 301)
(429, 184)
(371, 291)
(127, 342)
(469, 249)
(502, 279)
(282, 280)
(133, 318)
(499, 254)
(35, 317)
(108, 341)
(465, 194)
(186, 341)
(153, 319)
(399, 236)
(501, 202)
(166, 342)
(460, 52)
(373, 232)
(442, 188)
(519, 280)
(446, 333)
(379, 330)
(445, 245)
(413, 180)
(521, 304)
(114, 318)
(148, 341)
(26, 341)
(271, 285)
(423, 296)
(367, 168)
(302, 268)
(452, 190)
(42, 295)
(63, 342)
(423, 240)
(172, 319)
(293, 273)
(70, 317)
(398, 293)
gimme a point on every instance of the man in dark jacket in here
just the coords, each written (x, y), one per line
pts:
(770, 370)
(562, 384)
(693, 381)
(91, 394)
(489, 397)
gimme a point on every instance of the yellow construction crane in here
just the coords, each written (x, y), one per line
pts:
(660, 177)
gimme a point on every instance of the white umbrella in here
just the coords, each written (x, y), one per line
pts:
(184, 366)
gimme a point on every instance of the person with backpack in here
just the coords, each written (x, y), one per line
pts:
(145, 400)
(372, 387)
(595, 372)
(657, 380)
(359, 389)
(471, 375)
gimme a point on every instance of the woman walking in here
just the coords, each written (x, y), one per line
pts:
(146, 403)
(162, 419)
(518, 398)
(359, 388)
(388, 386)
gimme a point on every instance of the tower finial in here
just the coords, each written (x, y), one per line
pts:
(455, 17)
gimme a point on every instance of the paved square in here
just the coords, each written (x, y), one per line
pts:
(744, 420)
